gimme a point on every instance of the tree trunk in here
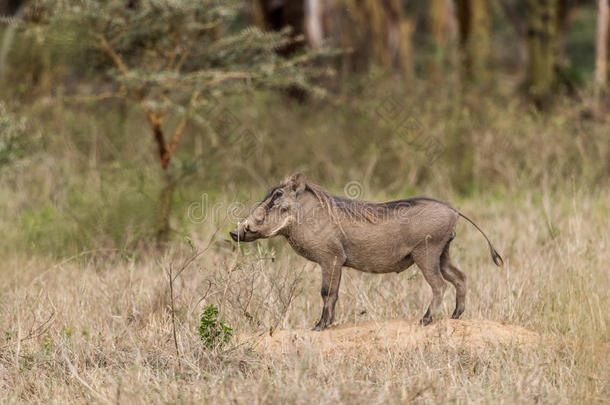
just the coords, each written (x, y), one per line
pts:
(542, 47)
(479, 46)
(167, 193)
(279, 14)
(399, 37)
(10, 7)
(165, 209)
(601, 45)
(475, 32)
(406, 61)
(314, 24)
(436, 26)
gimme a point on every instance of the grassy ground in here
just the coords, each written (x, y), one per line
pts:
(97, 327)
(86, 313)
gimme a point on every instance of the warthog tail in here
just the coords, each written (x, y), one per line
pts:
(495, 256)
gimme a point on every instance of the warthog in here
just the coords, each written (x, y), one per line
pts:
(371, 237)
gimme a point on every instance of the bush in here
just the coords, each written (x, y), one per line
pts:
(212, 331)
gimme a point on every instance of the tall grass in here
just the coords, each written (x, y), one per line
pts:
(97, 326)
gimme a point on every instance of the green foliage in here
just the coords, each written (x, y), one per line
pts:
(162, 52)
(212, 331)
(174, 60)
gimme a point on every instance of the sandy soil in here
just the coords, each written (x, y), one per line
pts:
(372, 338)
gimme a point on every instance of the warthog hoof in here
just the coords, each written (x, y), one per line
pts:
(457, 314)
(321, 325)
(425, 321)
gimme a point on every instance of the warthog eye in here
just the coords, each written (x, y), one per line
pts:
(279, 193)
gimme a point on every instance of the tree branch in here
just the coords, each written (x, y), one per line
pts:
(113, 55)
(183, 57)
(178, 132)
(157, 127)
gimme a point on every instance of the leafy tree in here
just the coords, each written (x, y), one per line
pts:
(171, 58)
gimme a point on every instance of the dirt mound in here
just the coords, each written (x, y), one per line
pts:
(366, 338)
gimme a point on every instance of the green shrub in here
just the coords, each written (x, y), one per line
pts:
(212, 331)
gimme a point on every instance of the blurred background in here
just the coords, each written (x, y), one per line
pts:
(119, 119)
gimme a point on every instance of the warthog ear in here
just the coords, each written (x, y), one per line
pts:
(296, 182)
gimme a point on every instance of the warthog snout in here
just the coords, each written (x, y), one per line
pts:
(235, 235)
(242, 233)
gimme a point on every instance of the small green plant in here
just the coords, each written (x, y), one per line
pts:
(212, 331)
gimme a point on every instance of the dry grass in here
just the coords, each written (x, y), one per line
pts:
(97, 327)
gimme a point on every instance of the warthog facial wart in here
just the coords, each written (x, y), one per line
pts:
(371, 237)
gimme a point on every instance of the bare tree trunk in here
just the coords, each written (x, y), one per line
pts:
(406, 60)
(542, 50)
(279, 14)
(436, 26)
(601, 45)
(376, 14)
(399, 34)
(10, 7)
(314, 27)
(167, 193)
(165, 208)
(371, 32)
(475, 33)
(479, 46)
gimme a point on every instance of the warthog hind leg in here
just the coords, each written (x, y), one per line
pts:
(456, 277)
(428, 260)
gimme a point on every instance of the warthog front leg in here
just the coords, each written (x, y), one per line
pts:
(331, 278)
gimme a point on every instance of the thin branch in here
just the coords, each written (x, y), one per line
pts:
(183, 57)
(113, 55)
(173, 53)
(196, 255)
(94, 98)
(116, 59)
(171, 278)
(218, 77)
(173, 312)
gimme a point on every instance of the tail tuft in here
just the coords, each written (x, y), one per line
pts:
(495, 256)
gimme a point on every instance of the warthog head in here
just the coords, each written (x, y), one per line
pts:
(275, 214)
